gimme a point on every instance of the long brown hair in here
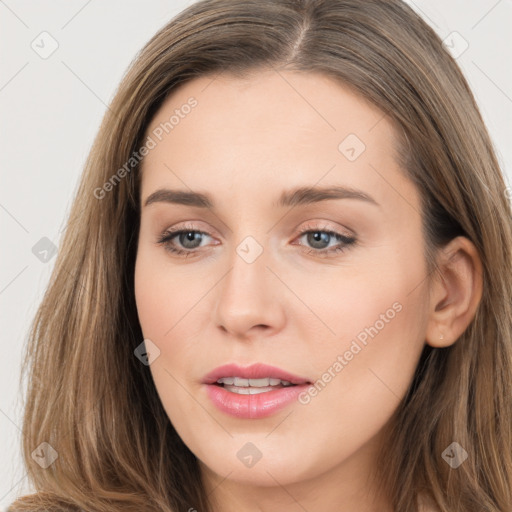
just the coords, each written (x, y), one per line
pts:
(93, 401)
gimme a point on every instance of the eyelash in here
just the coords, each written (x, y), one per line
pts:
(167, 236)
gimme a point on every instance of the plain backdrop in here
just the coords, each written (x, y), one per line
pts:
(51, 109)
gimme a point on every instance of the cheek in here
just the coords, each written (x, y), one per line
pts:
(169, 309)
(373, 332)
(164, 296)
(364, 373)
(377, 316)
(152, 298)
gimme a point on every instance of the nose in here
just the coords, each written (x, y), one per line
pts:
(250, 299)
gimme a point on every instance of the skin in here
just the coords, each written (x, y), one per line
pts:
(245, 142)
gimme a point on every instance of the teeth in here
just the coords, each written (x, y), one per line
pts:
(259, 382)
(241, 382)
(226, 380)
(248, 390)
(253, 383)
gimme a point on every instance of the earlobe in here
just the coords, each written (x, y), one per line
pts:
(455, 294)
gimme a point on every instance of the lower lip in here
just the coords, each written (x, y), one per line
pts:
(256, 406)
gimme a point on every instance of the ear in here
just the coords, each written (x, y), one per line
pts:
(455, 292)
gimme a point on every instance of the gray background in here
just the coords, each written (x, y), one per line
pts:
(51, 109)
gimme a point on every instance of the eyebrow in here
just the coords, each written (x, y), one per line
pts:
(294, 197)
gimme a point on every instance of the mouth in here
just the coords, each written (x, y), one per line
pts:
(254, 391)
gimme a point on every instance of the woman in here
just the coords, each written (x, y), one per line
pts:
(292, 252)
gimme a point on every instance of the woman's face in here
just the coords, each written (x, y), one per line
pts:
(330, 289)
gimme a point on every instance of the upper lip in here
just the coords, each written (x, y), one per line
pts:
(254, 371)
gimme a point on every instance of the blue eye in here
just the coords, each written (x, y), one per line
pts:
(188, 239)
(319, 240)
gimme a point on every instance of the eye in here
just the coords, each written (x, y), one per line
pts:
(189, 238)
(320, 239)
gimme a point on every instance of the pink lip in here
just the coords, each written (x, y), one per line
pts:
(253, 406)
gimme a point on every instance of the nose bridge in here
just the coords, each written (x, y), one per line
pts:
(247, 296)
(245, 283)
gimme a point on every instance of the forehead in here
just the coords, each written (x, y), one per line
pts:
(270, 127)
(301, 104)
